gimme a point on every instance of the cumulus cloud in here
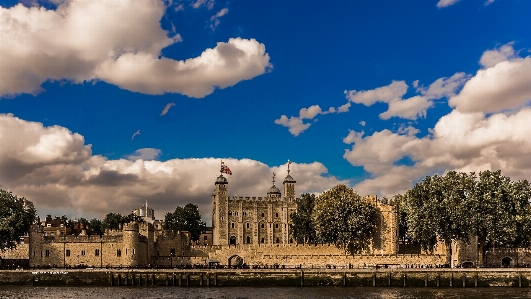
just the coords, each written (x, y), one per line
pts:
(296, 125)
(135, 134)
(119, 42)
(145, 154)
(214, 20)
(410, 108)
(200, 3)
(55, 169)
(504, 83)
(167, 108)
(446, 3)
(459, 141)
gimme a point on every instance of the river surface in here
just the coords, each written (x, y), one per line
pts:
(259, 292)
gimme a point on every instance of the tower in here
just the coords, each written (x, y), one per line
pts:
(273, 191)
(220, 211)
(289, 186)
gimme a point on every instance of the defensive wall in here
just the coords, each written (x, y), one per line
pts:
(267, 277)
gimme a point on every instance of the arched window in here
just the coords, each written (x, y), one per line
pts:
(263, 214)
(230, 213)
(278, 241)
(277, 215)
(247, 224)
(232, 225)
(262, 241)
(262, 225)
(276, 225)
(248, 240)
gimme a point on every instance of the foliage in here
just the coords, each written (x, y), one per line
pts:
(186, 218)
(15, 219)
(303, 230)
(436, 209)
(500, 212)
(96, 225)
(399, 201)
(341, 217)
(112, 221)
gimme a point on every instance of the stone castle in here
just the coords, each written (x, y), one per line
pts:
(251, 230)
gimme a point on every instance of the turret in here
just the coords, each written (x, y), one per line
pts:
(220, 206)
(289, 186)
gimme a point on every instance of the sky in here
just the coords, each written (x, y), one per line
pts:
(107, 104)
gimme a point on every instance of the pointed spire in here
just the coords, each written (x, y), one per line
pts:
(289, 162)
(274, 178)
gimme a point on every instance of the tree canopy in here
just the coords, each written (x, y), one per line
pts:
(303, 230)
(343, 218)
(15, 219)
(186, 218)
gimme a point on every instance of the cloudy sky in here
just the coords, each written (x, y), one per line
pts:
(104, 104)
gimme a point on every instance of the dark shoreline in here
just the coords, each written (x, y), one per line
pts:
(505, 277)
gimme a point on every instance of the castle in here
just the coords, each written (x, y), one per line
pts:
(251, 230)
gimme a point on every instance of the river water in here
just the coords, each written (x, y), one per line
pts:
(259, 292)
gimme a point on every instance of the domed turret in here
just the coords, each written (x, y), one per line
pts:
(274, 191)
(221, 180)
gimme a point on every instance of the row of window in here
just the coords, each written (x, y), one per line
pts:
(245, 214)
(248, 225)
(84, 252)
(248, 240)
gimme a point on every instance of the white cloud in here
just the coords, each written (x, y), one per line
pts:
(135, 134)
(52, 167)
(119, 42)
(446, 3)
(489, 2)
(295, 124)
(410, 108)
(362, 123)
(167, 108)
(145, 154)
(504, 84)
(491, 58)
(199, 3)
(214, 20)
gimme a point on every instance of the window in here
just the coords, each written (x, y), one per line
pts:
(47, 253)
(248, 240)
(118, 252)
(290, 215)
(97, 252)
(277, 215)
(83, 252)
(67, 252)
(262, 241)
(232, 225)
(134, 251)
(34, 252)
(278, 241)
(230, 213)
(244, 213)
(276, 225)
(172, 251)
(262, 225)
(263, 214)
(236, 213)
(247, 224)
(206, 238)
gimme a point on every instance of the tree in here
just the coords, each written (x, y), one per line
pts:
(303, 230)
(15, 219)
(342, 218)
(186, 218)
(96, 226)
(112, 221)
(500, 212)
(436, 209)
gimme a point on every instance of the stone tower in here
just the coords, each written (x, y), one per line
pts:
(289, 186)
(219, 211)
(131, 240)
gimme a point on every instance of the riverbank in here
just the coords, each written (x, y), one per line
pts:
(518, 277)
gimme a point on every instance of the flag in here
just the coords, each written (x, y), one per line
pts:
(226, 169)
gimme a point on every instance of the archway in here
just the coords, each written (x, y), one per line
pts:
(467, 264)
(235, 261)
(232, 240)
(506, 262)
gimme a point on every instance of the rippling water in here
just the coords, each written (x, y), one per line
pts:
(259, 292)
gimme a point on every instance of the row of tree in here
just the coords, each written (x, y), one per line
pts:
(461, 207)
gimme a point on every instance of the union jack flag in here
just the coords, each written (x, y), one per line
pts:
(226, 169)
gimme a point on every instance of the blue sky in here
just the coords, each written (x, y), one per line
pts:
(390, 91)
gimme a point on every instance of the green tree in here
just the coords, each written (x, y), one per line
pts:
(343, 218)
(500, 213)
(96, 225)
(15, 219)
(436, 209)
(302, 229)
(112, 221)
(186, 218)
